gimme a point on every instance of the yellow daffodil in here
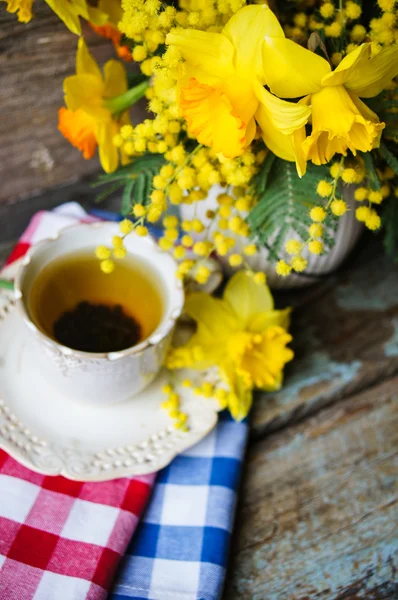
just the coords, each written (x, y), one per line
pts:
(69, 11)
(340, 120)
(242, 335)
(89, 118)
(222, 92)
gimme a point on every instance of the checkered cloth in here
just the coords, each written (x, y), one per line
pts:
(62, 540)
(180, 549)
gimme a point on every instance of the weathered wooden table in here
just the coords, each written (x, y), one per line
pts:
(318, 509)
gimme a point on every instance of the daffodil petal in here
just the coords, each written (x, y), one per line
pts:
(85, 92)
(269, 318)
(113, 10)
(246, 30)
(85, 62)
(349, 65)
(66, 13)
(210, 52)
(115, 79)
(288, 147)
(290, 70)
(246, 297)
(215, 318)
(284, 116)
(374, 74)
(96, 16)
(108, 152)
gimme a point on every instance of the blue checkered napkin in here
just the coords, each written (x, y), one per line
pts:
(180, 549)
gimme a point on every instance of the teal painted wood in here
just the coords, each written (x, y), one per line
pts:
(319, 507)
(345, 339)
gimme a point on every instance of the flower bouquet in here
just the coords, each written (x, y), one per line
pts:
(281, 111)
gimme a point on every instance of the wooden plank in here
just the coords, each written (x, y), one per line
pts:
(345, 339)
(319, 506)
(34, 60)
(5, 250)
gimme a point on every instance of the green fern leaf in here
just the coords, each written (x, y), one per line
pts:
(284, 204)
(126, 198)
(371, 173)
(389, 157)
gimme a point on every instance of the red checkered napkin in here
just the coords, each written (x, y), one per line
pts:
(61, 539)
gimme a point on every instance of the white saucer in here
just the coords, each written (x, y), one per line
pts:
(50, 433)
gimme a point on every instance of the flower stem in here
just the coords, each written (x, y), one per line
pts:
(121, 103)
(5, 284)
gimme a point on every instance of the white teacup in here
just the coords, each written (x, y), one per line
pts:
(100, 378)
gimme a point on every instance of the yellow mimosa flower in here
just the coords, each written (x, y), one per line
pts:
(243, 336)
(68, 11)
(222, 92)
(340, 120)
(88, 121)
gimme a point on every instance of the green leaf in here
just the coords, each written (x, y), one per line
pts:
(139, 189)
(373, 178)
(389, 157)
(126, 198)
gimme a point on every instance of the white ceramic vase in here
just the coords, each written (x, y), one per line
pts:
(346, 236)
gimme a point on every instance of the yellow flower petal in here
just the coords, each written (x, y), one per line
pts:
(96, 15)
(85, 63)
(210, 53)
(270, 318)
(214, 317)
(115, 79)
(374, 74)
(287, 147)
(211, 119)
(246, 297)
(290, 70)
(113, 10)
(67, 13)
(339, 124)
(348, 66)
(284, 116)
(85, 91)
(246, 30)
(108, 153)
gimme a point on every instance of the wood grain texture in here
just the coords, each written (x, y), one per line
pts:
(345, 338)
(319, 507)
(34, 60)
